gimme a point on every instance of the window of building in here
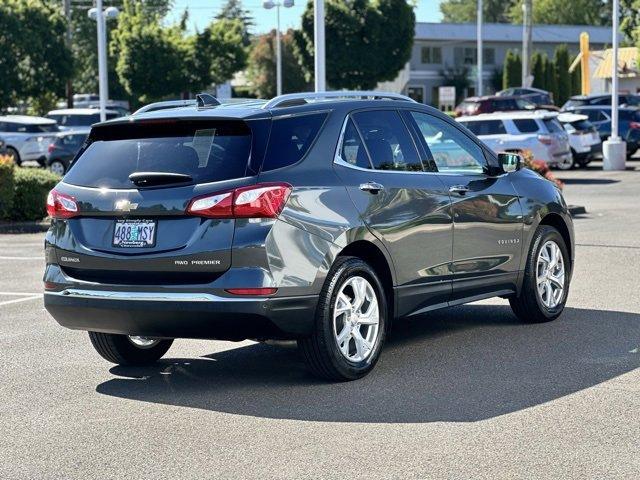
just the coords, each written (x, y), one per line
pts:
(416, 93)
(432, 55)
(489, 56)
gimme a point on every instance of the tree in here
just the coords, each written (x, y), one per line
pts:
(576, 81)
(34, 61)
(233, 10)
(465, 11)
(262, 66)
(363, 50)
(561, 60)
(537, 69)
(550, 80)
(512, 70)
(563, 12)
(221, 42)
(457, 77)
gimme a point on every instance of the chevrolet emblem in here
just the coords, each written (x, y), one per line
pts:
(125, 205)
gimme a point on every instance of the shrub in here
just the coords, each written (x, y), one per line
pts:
(541, 168)
(7, 185)
(31, 189)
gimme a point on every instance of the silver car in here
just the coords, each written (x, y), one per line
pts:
(27, 138)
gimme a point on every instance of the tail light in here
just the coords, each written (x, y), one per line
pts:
(545, 139)
(51, 148)
(264, 200)
(60, 205)
(634, 125)
(252, 291)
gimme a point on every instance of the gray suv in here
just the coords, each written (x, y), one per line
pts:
(320, 218)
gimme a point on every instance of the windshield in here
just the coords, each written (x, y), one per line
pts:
(205, 151)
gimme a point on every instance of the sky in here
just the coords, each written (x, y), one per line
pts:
(202, 11)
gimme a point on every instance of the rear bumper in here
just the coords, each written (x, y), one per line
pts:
(182, 315)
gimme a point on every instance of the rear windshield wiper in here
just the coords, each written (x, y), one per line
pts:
(149, 179)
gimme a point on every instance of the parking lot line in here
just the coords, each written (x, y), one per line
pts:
(17, 300)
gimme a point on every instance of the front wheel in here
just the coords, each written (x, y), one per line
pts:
(350, 323)
(129, 350)
(546, 278)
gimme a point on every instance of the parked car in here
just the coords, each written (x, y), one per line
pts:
(534, 95)
(27, 138)
(63, 149)
(602, 99)
(540, 132)
(583, 137)
(628, 123)
(79, 118)
(489, 104)
(315, 217)
(3, 147)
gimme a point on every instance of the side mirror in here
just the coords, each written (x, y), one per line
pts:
(510, 162)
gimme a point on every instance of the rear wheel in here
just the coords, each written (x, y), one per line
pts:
(14, 155)
(566, 163)
(129, 350)
(57, 167)
(350, 323)
(546, 278)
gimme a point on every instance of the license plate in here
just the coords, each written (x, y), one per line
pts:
(134, 233)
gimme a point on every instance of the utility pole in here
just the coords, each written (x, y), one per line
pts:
(318, 42)
(103, 87)
(479, 50)
(67, 15)
(526, 42)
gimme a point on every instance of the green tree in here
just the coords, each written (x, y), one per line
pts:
(563, 12)
(465, 11)
(363, 50)
(576, 81)
(550, 80)
(537, 69)
(562, 62)
(221, 42)
(34, 61)
(262, 66)
(459, 78)
(233, 10)
(512, 70)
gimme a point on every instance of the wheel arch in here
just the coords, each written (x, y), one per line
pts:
(556, 221)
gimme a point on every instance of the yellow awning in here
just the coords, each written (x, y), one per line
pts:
(627, 63)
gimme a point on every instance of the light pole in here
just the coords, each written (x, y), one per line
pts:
(318, 42)
(101, 16)
(526, 42)
(479, 49)
(269, 4)
(614, 150)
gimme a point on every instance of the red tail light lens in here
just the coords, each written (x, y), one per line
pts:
(264, 200)
(252, 291)
(634, 125)
(51, 148)
(60, 205)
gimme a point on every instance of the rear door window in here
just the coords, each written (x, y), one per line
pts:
(526, 125)
(207, 151)
(291, 138)
(388, 142)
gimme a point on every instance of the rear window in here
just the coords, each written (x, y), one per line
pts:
(526, 125)
(486, 127)
(290, 139)
(580, 126)
(208, 151)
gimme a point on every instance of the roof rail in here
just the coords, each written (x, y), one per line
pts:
(152, 107)
(206, 100)
(292, 99)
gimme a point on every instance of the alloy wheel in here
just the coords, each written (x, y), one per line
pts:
(143, 342)
(550, 274)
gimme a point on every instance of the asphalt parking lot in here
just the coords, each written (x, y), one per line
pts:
(462, 393)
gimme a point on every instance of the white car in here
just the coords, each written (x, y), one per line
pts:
(79, 118)
(539, 131)
(27, 138)
(584, 138)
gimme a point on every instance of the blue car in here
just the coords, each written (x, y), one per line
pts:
(628, 119)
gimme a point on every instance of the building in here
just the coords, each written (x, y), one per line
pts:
(600, 65)
(443, 47)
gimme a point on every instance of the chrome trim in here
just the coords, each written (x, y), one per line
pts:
(362, 95)
(149, 296)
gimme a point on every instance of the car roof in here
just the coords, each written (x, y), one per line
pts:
(78, 111)
(517, 115)
(566, 117)
(27, 120)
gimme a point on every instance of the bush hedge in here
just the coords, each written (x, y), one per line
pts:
(7, 185)
(31, 189)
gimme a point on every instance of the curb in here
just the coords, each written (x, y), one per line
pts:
(25, 227)
(577, 210)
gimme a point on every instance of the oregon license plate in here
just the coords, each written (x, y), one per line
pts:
(134, 233)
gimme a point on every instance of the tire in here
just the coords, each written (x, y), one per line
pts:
(321, 350)
(58, 167)
(567, 165)
(531, 306)
(121, 349)
(13, 153)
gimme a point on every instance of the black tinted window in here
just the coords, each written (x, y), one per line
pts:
(486, 127)
(526, 125)
(207, 151)
(553, 125)
(290, 139)
(352, 150)
(388, 142)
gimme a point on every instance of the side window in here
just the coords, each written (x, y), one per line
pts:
(486, 127)
(352, 150)
(451, 149)
(290, 139)
(388, 142)
(526, 125)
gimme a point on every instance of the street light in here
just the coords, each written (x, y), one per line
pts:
(318, 42)
(269, 4)
(614, 149)
(101, 16)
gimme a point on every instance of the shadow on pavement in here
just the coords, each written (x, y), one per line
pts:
(464, 364)
(588, 181)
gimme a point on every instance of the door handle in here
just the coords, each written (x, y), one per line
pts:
(459, 189)
(371, 187)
